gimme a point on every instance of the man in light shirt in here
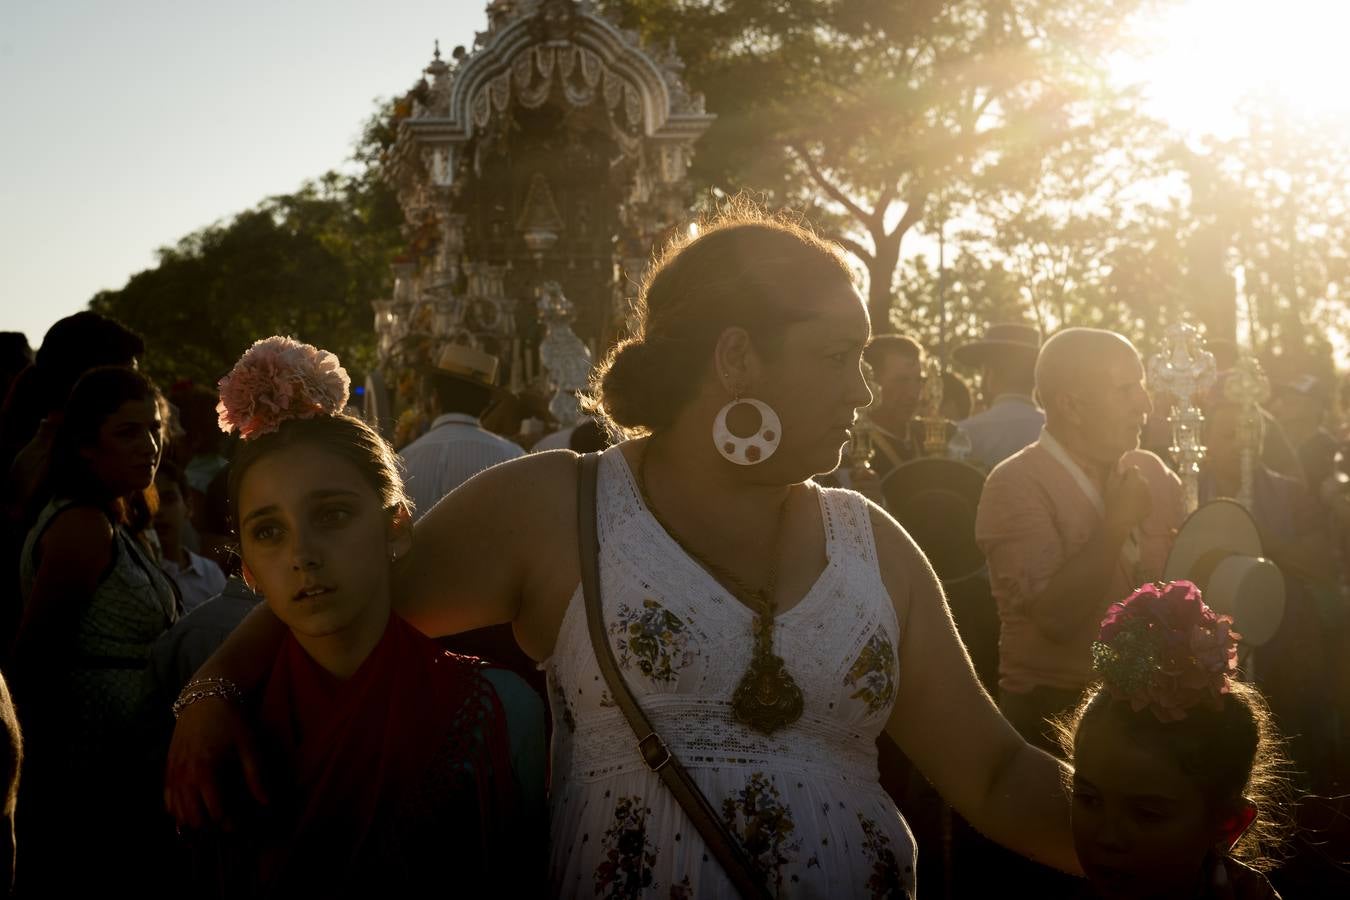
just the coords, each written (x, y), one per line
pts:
(456, 447)
(1073, 523)
(1006, 360)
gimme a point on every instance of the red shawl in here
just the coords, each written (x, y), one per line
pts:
(360, 752)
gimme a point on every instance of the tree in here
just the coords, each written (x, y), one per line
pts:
(305, 264)
(861, 111)
(1274, 205)
(1091, 226)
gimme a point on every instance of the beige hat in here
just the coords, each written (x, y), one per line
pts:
(1219, 549)
(1009, 338)
(469, 363)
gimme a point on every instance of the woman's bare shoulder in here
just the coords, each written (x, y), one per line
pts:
(77, 525)
(519, 499)
(77, 539)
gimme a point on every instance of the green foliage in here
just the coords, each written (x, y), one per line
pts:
(1276, 199)
(305, 264)
(861, 112)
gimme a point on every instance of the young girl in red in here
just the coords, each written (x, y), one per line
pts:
(1176, 784)
(404, 769)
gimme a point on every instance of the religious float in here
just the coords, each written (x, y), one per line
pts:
(536, 172)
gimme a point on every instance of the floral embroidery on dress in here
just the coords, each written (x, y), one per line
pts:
(886, 880)
(682, 891)
(560, 697)
(873, 674)
(626, 869)
(758, 816)
(654, 638)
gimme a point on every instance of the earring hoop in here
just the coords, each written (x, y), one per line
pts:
(755, 449)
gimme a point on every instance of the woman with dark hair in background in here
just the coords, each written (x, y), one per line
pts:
(94, 602)
(28, 425)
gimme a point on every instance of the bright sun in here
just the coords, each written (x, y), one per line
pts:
(1200, 58)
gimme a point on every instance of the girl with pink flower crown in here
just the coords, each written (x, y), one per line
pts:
(1177, 791)
(405, 767)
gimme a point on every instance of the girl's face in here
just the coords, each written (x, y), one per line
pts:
(1141, 827)
(316, 542)
(125, 454)
(815, 384)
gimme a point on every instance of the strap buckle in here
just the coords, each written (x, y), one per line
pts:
(655, 754)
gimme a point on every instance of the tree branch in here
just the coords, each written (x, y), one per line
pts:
(917, 199)
(853, 247)
(870, 219)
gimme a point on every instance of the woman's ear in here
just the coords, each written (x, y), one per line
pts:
(734, 360)
(1233, 826)
(400, 533)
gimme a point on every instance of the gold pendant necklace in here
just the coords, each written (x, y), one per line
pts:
(767, 697)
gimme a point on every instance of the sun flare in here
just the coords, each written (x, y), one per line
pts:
(1198, 60)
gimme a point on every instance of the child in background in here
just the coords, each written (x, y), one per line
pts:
(1177, 790)
(198, 578)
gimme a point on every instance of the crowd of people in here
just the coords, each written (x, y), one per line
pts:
(255, 649)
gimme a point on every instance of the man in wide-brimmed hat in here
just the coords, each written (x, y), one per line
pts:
(456, 447)
(1006, 360)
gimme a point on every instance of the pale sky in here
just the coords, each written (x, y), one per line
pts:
(130, 123)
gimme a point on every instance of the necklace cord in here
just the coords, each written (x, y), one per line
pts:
(762, 598)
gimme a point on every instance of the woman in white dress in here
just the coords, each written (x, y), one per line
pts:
(718, 556)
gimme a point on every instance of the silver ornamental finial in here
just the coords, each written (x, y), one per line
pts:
(1184, 369)
(563, 355)
(930, 410)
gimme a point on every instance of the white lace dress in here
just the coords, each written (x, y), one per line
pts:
(805, 801)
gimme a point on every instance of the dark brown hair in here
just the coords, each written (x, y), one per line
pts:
(342, 435)
(1228, 753)
(884, 346)
(98, 394)
(744, 268)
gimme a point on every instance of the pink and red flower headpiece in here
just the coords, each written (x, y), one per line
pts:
(1163, 649)
(277, 379)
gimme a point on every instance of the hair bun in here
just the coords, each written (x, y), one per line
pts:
(277, 379)
(635, 389)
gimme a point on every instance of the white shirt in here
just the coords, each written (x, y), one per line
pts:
(558, 440)
(453, 451)
(1011, 423)
(198, 582)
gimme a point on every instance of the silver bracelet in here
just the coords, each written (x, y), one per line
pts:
(207, 689)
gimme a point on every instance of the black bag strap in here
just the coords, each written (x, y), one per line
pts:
(719, 840)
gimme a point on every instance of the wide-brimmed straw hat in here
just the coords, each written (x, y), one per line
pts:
(469, 363)
(1219, 549)
(1000, 339)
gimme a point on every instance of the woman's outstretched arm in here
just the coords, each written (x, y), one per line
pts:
(213, 752)
(948, 725)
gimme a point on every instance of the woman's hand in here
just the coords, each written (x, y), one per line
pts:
(212, 747)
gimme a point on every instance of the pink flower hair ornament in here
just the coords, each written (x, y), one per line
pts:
(1163, 649)
(278, 379)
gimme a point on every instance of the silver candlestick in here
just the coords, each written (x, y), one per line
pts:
(1185, 369)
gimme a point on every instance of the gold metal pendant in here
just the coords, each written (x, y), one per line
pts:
(767, 698)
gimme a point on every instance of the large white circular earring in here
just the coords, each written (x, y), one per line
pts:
(751, 450)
